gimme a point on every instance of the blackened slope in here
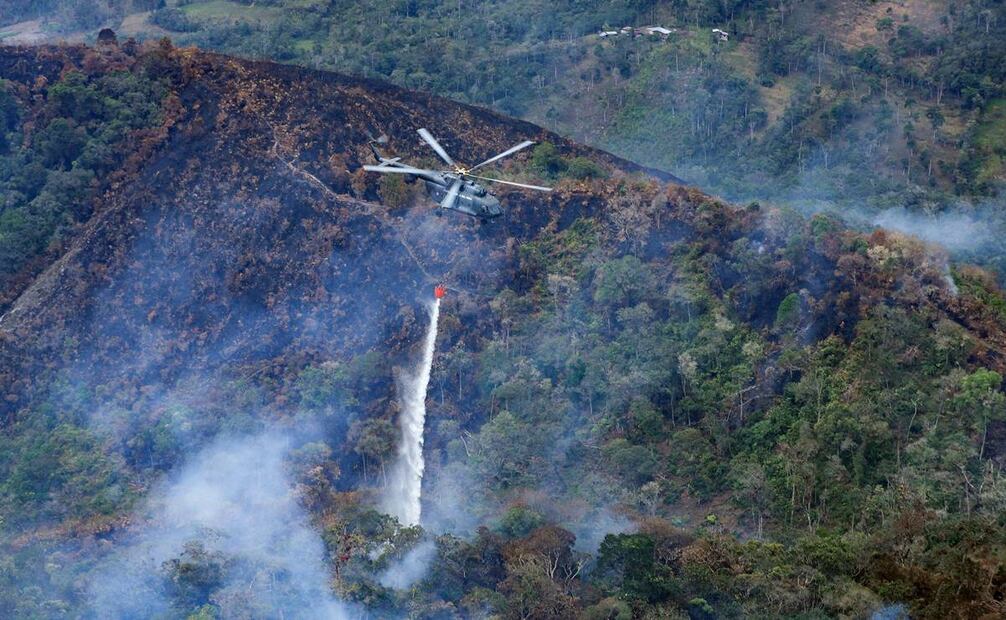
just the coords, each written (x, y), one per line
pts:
(240, 238)
(469, 133)
(25, 64)
(252, 235)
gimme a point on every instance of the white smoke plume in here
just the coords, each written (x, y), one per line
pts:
(953, 230)
(226, 531)
(403, 498)
(412, 567)
(591, 529)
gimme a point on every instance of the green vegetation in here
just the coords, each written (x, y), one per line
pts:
(50, 174)
(895, 99)
(864, 477)
(769, 472)
(56, 471)
(789, 97)
(546, 161)
(72, 15)
(986, 161)
(740, 412)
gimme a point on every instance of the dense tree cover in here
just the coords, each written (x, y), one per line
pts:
(17, 10)
(652, 377)
(671, 408)
(613, 378)
(780, 453)
(789, 97)
(60, 142)
(72, 15)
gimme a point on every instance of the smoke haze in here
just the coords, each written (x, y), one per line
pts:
(227, 528)
(954, 230)
(406, 572)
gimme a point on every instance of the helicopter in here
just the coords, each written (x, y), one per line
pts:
(453, 189)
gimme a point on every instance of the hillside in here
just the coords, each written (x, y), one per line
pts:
(645, 402)
(850, 105)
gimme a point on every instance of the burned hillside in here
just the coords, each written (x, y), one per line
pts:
(623, 346)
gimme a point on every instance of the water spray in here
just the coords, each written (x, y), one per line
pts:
(404, 493)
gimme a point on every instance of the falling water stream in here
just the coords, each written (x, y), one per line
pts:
(405, 487)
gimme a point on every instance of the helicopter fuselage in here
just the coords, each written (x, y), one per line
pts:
(473, 199)
(455, 188)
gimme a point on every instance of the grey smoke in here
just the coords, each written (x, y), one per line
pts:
(454, 502)
(591, 529)
(236, 502)
(954, 230)
(897, 611)
(411, 568)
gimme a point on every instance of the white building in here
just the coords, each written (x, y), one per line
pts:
(637, 32)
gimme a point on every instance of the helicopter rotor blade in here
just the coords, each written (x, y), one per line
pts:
(452, 195)
(510, 151)
(428, 137)
(537, 187)
(397, 169)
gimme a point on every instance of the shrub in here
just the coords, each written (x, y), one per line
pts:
(583, 168)
(788, 311)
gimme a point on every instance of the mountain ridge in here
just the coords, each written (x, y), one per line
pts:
(624, 345)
